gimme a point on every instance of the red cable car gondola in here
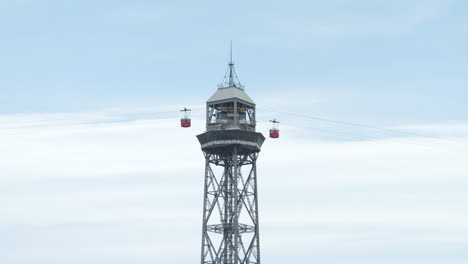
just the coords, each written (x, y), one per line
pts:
(274, 131)
(185, 121)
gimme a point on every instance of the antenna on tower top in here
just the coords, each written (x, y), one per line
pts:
(230, 79)
(230, 61)
(231, 69)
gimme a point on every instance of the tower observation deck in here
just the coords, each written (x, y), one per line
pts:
(230, 230)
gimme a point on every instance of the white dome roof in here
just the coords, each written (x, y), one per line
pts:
(232, 92)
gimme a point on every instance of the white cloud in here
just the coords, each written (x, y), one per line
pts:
(134, 188)
(448, 131)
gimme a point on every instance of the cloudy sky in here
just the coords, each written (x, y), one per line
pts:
(371, 166)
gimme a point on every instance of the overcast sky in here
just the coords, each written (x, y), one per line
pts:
(95, 169)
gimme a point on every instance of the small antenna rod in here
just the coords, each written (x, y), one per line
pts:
(231, 69)
(231, 54)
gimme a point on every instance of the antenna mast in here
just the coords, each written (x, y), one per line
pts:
(230, 78)
(231, 69)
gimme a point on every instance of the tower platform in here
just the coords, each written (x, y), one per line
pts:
(221, 141)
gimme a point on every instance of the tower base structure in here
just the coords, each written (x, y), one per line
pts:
(230, 230)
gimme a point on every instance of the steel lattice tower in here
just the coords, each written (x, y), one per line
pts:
(230, 206)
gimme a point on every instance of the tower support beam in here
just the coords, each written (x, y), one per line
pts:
(230, 214)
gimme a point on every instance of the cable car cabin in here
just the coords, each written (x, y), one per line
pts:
(185, 122)
(274, 133)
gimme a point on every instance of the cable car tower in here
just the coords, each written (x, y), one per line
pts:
(230, 230)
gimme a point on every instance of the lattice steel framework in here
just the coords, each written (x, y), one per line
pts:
(230, 215)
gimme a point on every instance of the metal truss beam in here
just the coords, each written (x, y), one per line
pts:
(229, 198)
